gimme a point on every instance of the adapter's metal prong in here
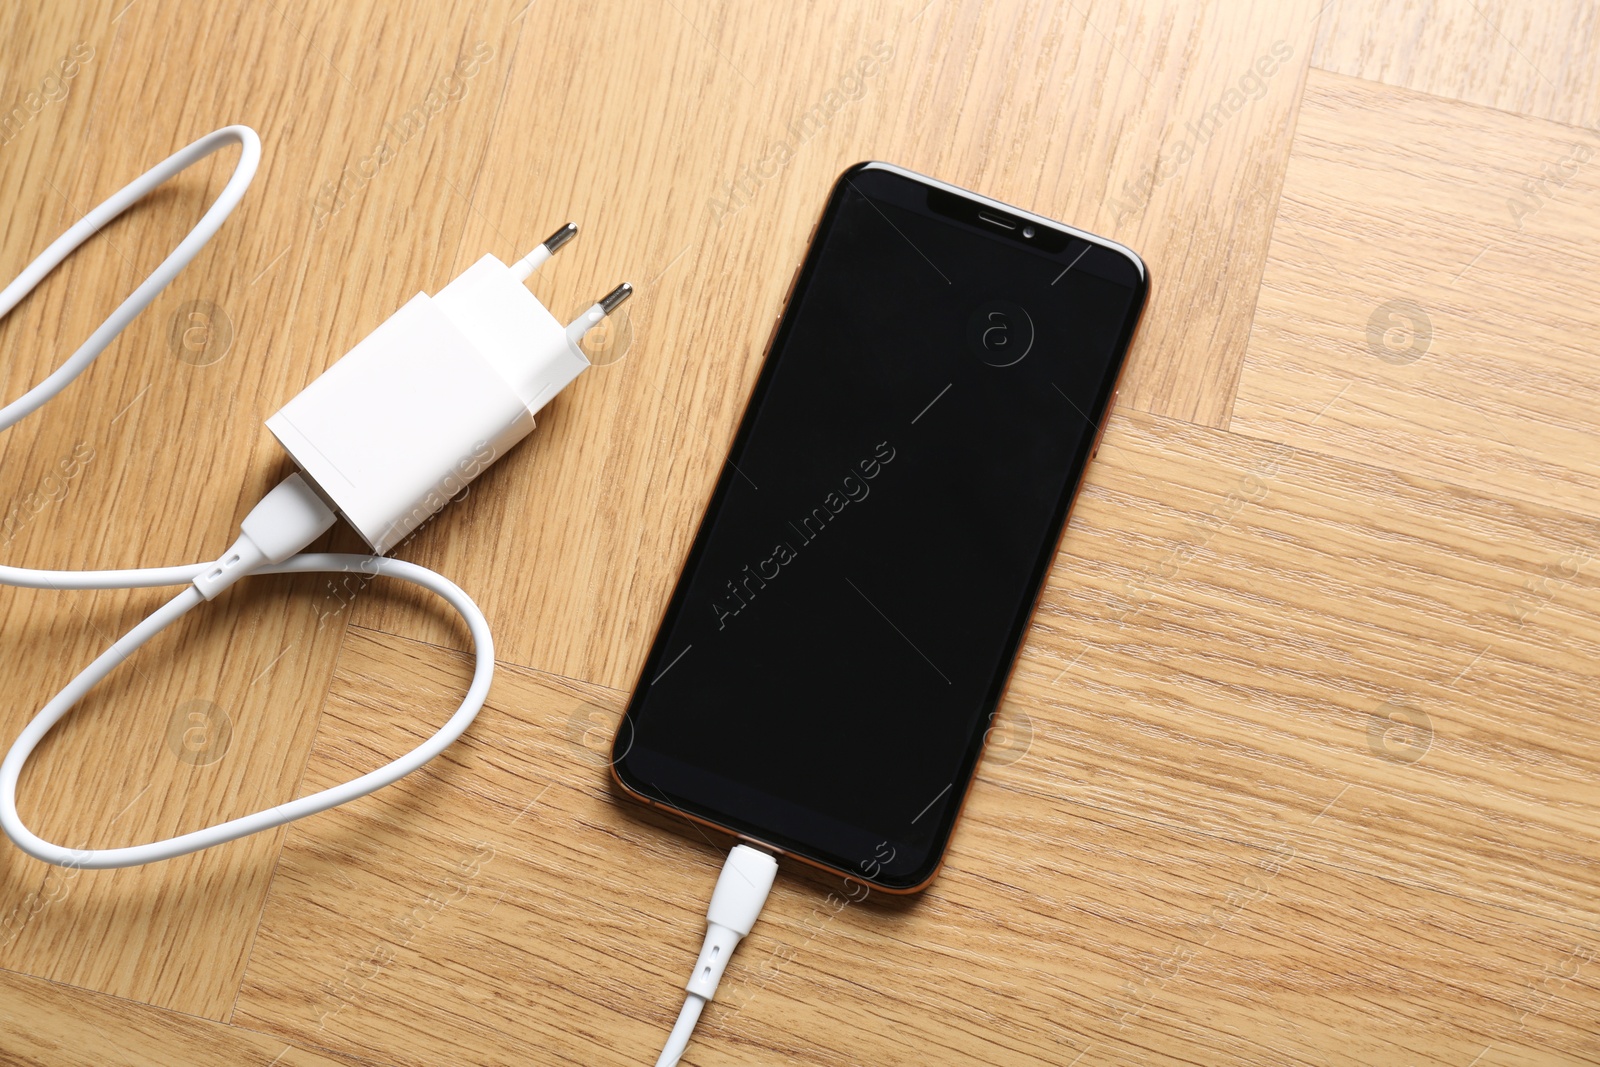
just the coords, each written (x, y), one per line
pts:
(523, 268)
(554, 242)
(615, 297)
(597, 312)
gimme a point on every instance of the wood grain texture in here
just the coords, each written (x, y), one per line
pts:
(1421, 310)
(1233, 625)
(504, 907)
(48, 1024)
(1533, 59)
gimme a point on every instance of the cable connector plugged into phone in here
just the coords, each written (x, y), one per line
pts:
(736, 903)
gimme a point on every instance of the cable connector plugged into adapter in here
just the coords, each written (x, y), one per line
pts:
(282, 523)
(434, 395)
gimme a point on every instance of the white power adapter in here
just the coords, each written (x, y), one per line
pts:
(386, 436)
(433, 396)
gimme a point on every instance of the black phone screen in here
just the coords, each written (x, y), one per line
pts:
(861, 582)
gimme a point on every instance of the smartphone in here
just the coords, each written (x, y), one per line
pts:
(841, 636)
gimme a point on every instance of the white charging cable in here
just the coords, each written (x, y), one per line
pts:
(148, 289)
(384, 438)
(484, 336)
(736, 903)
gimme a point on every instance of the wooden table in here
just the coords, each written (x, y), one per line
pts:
(1300, 762)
